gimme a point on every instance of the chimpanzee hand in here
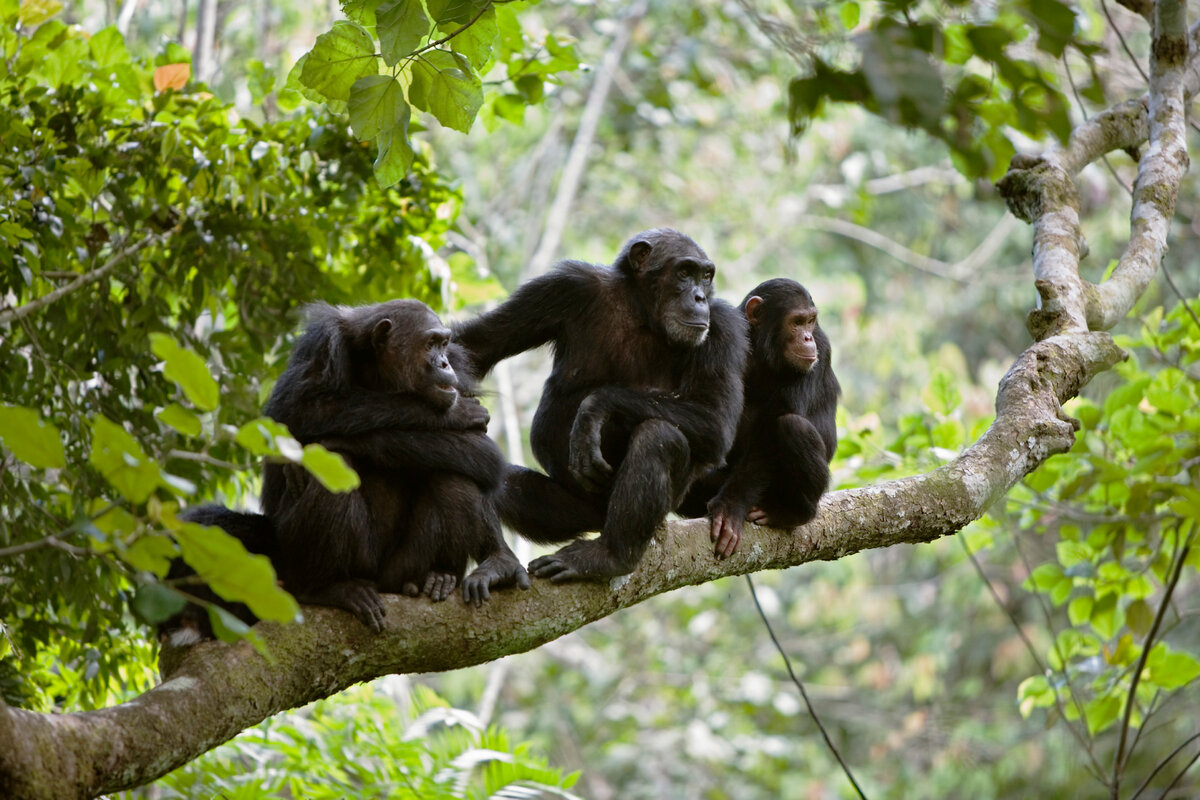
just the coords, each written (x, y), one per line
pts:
(467, 414)
(586, 461)
(496, 571)
(727, 519)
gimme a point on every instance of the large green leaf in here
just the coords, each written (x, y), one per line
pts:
(330, 469)
(188, 370)
(338, 60)
(30, 439)
(401, 26)
(395, 156)
(235, 574)
(121, 461)
(445, 84)
(377, 105)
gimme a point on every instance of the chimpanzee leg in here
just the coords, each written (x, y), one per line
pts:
(800, 477)
(647, 485)
(329, 547)
(544, 511)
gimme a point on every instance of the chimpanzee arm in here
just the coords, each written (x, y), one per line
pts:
(472, 455)
(705, 409)
(356, 412)
(530, 317)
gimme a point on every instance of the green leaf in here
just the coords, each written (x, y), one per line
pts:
(460, 11)
(1072, 553)
(1101, 712)
(445, 84)
(153, 602)
(223, 562)
(179, 418)
(1171, 392)
(1139, 617)
(1173, 670)
(188, 370)
(395, 157)
(377, 105)
(401, 26)
(1080, 610)
(475, 43)
(849, 14)
(35, 442)
(940, 395)
(266, 437)
(121, 461)
(35, 12)
(338, 59)
(1044, 577)
(108, 48)
(1105, 616)
(330, 469)
(150, 554)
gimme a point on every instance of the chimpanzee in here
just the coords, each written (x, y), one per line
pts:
(778, 467)
(644, 395)
(377, 385)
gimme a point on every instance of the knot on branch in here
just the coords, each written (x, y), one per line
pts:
(1051, 317)
(1033, 186)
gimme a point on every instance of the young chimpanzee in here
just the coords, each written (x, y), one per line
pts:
(644, 396)
(778, 467)
(377, 385)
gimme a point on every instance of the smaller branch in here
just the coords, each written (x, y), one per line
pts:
(1179, 777)
(445, 39)
(49, 541)
(792, 673)
(1124, 46)
(87, 278)
(1158, 767)
(1121, 757)
(204, 458)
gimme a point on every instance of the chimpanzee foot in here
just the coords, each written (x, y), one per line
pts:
(494, 572)
(580, 561)
(359, 597)
(439, 585)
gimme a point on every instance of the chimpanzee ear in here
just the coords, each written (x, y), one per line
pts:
(752, 304)
(379, 334)
(639, 251)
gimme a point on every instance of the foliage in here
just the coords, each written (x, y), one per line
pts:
(955, 70)
(149, 240)
(1121, 509)
(434, 55)
(362, 744)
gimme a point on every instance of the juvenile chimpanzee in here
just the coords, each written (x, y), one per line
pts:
(377, 385)
(778, 467)
(644, 395)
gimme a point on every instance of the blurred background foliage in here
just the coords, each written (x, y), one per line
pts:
(803, 140)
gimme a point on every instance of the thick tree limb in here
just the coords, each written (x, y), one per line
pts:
(215, 691)
(1041, 190)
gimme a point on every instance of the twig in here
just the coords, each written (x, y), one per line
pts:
(812, 711)
(1121, 757)
(49, 541)
(1179, 777)
(1158, 767)
(1124, 46)
(13, 314)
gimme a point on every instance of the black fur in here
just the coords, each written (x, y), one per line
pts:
(644, 395)
(378, 385)
(778, 466)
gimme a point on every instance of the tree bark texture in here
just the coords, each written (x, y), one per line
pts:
(213, 690)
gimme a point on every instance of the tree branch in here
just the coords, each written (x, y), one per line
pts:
(216, 690)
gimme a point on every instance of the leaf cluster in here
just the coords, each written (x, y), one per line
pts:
(150, 239)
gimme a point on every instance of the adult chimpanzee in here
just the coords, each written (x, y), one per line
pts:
(644, 395)
(376, 384)
(778, 466)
